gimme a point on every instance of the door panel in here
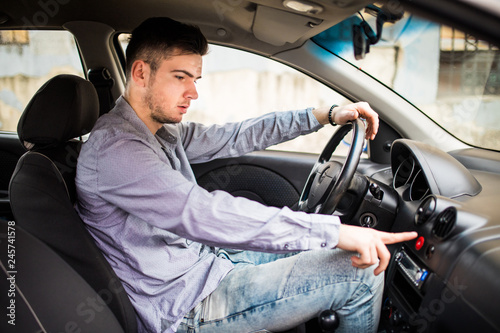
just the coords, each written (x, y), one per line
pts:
(274, 178)
(270, 177)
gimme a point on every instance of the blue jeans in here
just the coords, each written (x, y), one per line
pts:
(275, 292)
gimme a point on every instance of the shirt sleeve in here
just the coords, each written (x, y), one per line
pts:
(205, 143)
(133, 178)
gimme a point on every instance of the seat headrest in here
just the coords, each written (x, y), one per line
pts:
(65, 107)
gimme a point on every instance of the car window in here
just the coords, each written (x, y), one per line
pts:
(237, 85)
(452, 77)
(29, 58)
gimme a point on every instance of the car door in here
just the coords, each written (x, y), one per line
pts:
(29, 58)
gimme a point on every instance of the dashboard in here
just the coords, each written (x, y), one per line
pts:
(447, 279)
(420, 169)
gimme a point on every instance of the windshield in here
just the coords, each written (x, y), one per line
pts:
(450, 76)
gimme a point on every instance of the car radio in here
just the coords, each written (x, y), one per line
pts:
(416, 274)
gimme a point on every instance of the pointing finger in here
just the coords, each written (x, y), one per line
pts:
(392, 238)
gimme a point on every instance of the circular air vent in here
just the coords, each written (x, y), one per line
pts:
(445, 222)
(425, 210)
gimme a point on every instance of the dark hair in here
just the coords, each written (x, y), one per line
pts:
(157, 38)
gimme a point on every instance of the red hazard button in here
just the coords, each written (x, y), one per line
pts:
(419, 243)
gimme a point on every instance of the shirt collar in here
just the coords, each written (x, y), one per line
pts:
(128, 113)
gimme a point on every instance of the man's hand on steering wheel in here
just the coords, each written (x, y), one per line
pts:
(342, 114)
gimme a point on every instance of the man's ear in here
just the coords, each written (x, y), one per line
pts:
(140, 73)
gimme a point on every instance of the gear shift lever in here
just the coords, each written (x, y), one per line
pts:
(328, 321)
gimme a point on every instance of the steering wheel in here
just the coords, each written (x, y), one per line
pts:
(329, 180)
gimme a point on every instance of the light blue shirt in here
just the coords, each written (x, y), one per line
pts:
(138, 196)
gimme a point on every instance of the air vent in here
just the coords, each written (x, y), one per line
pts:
(445, 222)
(425, 211)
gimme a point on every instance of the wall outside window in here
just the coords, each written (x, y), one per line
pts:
(29, 58)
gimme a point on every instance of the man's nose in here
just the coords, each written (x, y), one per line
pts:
(191, 91)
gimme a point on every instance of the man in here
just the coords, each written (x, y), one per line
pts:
(159, 230)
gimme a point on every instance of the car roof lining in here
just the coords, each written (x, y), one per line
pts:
(232, 18)
(237, 17)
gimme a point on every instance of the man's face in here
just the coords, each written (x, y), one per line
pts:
(170, 91)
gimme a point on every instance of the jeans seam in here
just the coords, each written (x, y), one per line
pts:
(324, 283)
(205, 323)
(279, 300)
(362, 289)
(286, 282)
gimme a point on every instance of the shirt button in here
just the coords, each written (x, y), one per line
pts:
(323, 244)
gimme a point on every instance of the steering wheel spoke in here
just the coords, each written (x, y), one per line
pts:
(328, 180)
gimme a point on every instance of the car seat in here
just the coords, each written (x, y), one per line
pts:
(42, 189)
(43, 293)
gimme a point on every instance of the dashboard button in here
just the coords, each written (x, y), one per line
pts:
(419, 243)
(424, 275)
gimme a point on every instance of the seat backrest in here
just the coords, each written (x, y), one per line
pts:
(49, 295)
(42, 190)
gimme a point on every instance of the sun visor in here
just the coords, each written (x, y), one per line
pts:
(278, 27)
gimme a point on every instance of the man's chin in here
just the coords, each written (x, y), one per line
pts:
(164, 120)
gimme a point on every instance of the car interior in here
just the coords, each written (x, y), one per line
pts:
(416, 175)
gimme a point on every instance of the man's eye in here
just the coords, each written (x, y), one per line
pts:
(179, 77)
